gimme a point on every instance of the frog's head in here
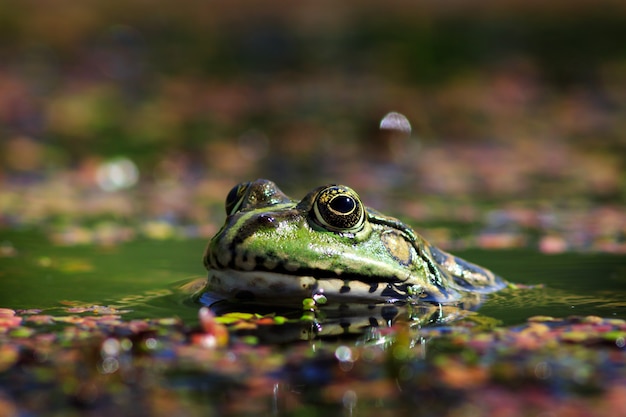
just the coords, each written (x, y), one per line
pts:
(276, 249)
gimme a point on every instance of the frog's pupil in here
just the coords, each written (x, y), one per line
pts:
(343, 204)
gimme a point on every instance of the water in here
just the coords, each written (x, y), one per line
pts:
(145, 276)
(573, 284)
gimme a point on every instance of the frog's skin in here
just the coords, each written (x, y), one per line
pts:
(276, 250)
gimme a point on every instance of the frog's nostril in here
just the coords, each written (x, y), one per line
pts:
(266, 220)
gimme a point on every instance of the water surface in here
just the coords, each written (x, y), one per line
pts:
(145, 275)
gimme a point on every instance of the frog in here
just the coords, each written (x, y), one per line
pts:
(329, 246)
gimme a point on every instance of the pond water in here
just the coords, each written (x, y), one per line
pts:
(145, 277)
(107, 364)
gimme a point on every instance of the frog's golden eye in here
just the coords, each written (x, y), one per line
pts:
(339, 209)
(235, 197)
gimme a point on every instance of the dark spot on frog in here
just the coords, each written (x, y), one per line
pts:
(373, 322)
(345, 288)
(265, 220)
(244, 296)
(262, 261)
(373, 287)
(262, 221)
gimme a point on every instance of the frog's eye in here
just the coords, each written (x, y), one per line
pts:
(339, 209)
(235, 197)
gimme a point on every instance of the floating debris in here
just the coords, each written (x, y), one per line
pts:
(553, 363)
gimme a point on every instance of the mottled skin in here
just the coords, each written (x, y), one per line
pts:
(273, 249)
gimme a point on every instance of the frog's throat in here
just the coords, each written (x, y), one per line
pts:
(265, 287)
(271, 287)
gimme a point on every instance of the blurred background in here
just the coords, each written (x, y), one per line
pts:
(120, 118)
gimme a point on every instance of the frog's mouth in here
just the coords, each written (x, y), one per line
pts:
(266, 287)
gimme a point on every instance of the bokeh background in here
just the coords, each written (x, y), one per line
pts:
(123, 118)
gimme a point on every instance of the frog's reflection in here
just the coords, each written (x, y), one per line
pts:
(340, 320)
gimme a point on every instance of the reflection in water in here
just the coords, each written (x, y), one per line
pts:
(175, 299)
(145, 297)
(366, 321)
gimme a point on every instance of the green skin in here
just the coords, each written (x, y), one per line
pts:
(276, 250)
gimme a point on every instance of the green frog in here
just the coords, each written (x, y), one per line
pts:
(328, 246)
